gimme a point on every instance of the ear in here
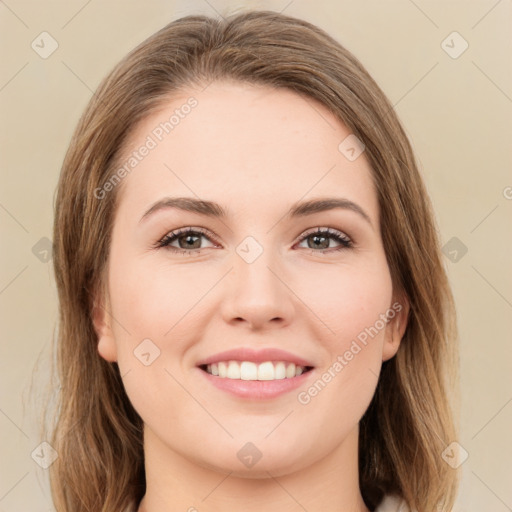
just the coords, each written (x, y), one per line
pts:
(101, 319)
(398, 315)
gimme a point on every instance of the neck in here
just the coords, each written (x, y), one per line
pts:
(175, 483)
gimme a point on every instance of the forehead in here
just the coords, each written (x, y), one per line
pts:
(243, 146)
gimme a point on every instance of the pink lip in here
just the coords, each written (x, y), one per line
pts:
(256, 389)
(256, 356)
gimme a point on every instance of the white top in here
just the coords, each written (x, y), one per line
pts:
(390, 503)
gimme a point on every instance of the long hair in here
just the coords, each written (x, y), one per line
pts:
(95, 430)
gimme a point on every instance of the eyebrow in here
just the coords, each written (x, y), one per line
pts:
(299, 209)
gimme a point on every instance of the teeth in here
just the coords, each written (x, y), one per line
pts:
(290, 371)
(280, 371)
(247, 370)
(266, 371)
(233, 370)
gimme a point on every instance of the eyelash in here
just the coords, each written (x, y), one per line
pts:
(338, 236)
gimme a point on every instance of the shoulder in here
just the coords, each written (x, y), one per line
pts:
(392, 503)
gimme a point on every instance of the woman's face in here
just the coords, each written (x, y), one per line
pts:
(256, 279)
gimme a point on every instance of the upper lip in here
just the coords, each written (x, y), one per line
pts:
(256, 356)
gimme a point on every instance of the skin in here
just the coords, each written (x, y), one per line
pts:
(256, 151)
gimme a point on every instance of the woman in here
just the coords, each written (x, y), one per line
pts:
(254, 314)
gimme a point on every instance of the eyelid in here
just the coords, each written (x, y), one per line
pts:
(323, 230)
(345, 241)
(175, 233)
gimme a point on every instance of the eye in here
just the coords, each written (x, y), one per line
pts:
(188, 239)
(320, 239)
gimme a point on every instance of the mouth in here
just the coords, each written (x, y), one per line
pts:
(251, 374)
(251, 371)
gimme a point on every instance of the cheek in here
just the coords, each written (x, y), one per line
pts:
(332, 305)
(148, 303)
(348, 300)
(355, 311)
(158, 300)
(158, 310)
(151, 297)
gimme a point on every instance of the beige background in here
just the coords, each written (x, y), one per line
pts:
(457, 112)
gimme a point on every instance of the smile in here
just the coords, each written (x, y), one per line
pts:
(248, 370)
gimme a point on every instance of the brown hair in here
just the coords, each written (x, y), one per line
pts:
(96, 431)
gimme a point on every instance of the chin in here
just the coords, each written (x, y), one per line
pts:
(253, 460)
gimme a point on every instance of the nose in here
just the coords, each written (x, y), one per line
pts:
(257, 294)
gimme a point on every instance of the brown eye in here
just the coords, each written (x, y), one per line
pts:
(188, 240)
(321, 240)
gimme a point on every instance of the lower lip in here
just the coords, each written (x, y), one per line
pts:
(257, 389)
